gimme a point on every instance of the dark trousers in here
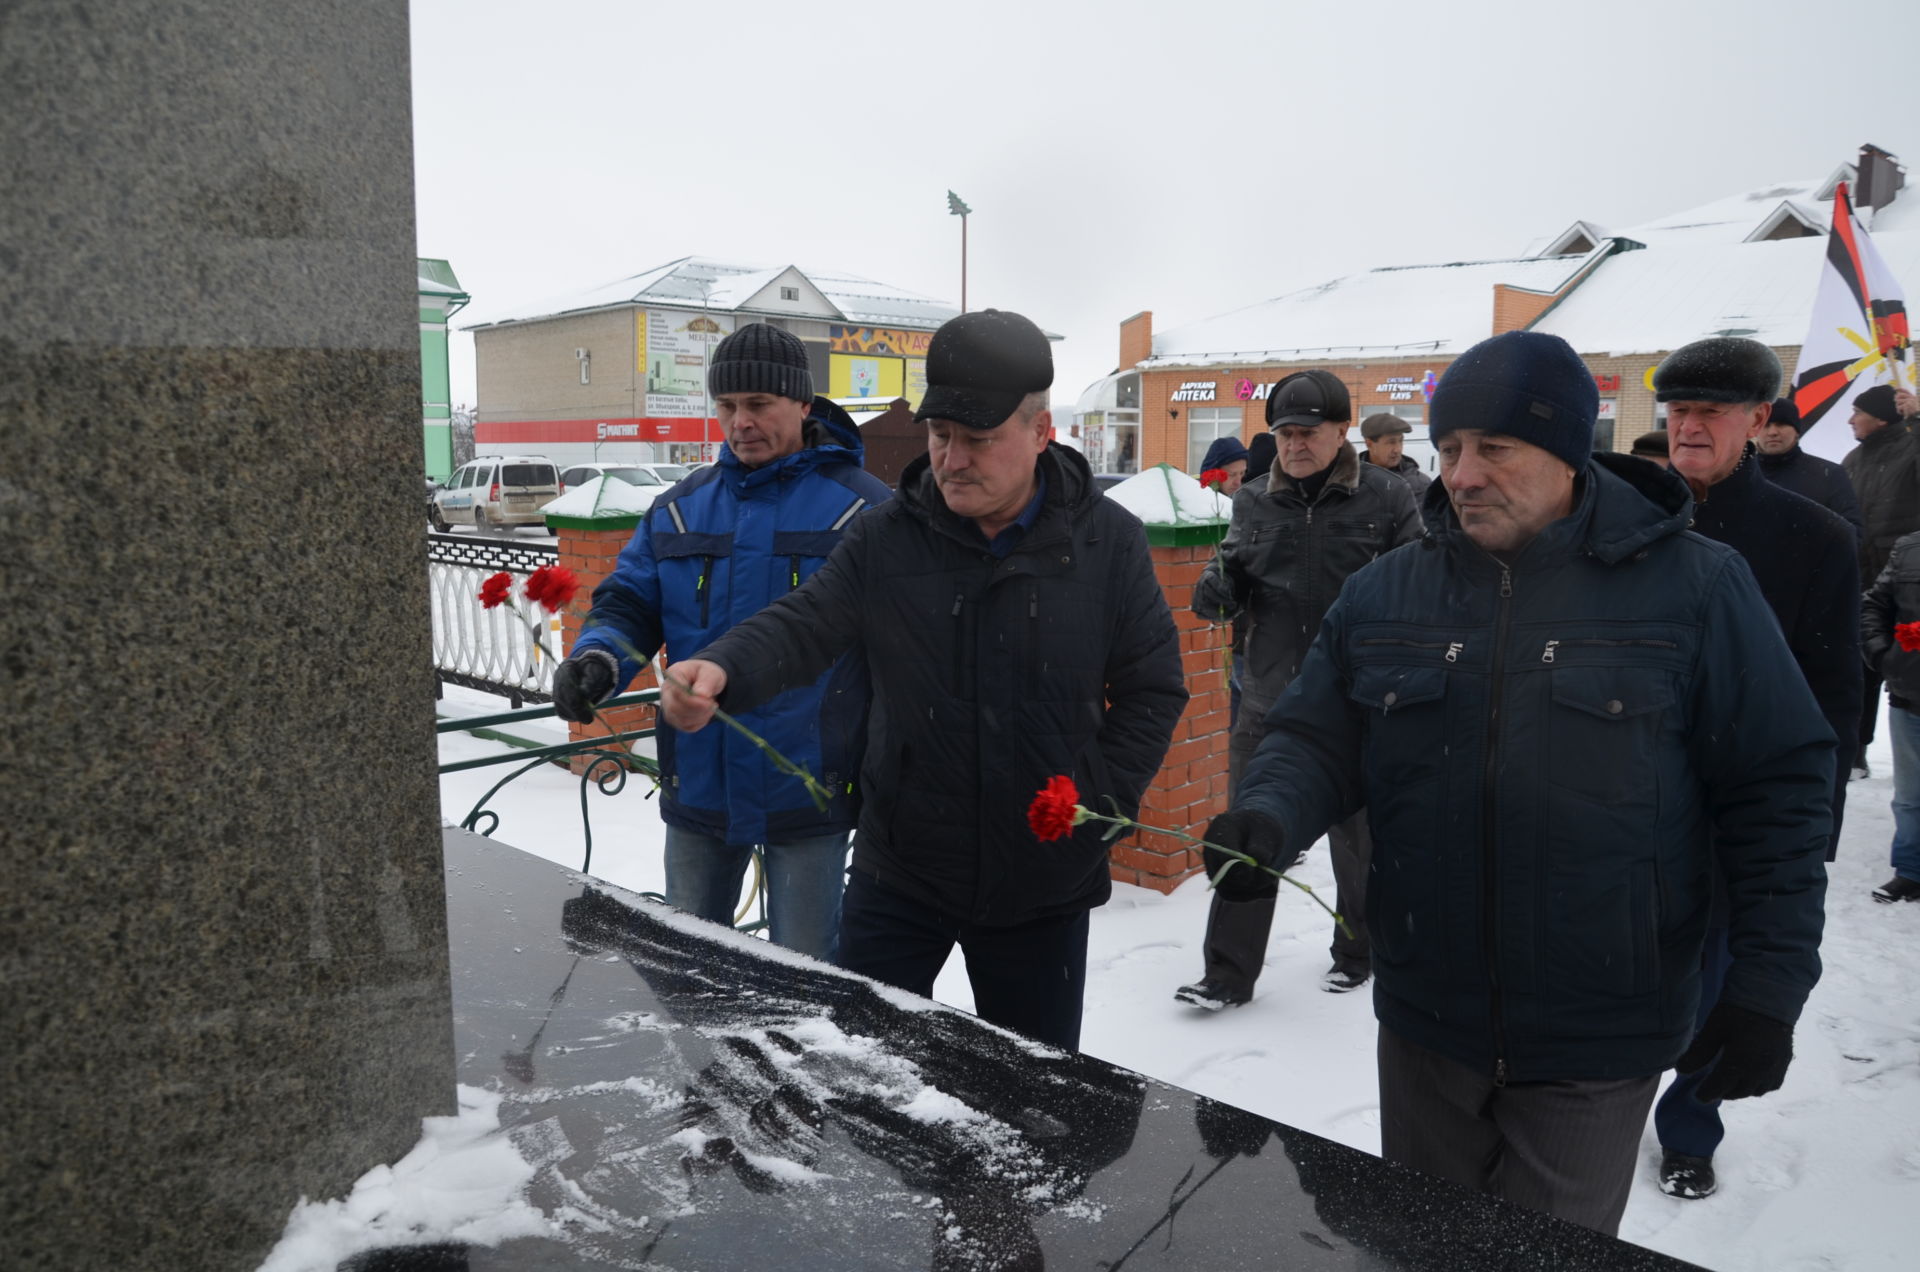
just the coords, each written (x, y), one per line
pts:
(1236, 943)
(1869, 714)
(1235, 948)
(1031, 977)
(1568, 1148)
(1684, 1122)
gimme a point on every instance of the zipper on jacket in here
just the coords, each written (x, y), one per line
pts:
(959, 646)
(1453, 647)
(1546, 655)
(1489, 806)
(704, 586)
(794, 578)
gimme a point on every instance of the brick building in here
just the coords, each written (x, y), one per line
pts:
(619, 372)
(1747, 265)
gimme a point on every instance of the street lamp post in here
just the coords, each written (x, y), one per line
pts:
(956, 208)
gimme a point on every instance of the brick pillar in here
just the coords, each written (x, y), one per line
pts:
(590, 549)
(1192, 785)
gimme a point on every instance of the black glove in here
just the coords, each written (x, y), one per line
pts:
(1749, 1053)
(580, 682)
(1259, 836)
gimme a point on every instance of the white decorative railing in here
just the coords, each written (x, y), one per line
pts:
(482, 648)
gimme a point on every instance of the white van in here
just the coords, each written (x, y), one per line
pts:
(497, 490)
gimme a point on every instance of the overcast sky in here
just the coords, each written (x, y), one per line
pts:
(1188, 157)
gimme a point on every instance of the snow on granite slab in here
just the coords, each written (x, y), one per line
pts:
(462, 1183)
(601, 497)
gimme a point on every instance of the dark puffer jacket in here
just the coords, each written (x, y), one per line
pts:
(1812, 477)
(1284, 560)
(1893, 599)
(989, 677)
(1885, 471)
(1416, 477)
(1802, 556)
(1547, 748)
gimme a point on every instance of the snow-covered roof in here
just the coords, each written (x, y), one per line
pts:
(438, 279)
(1659, 299)
(694, 281)
(1418, 308)
(601, 497)
(1165, 496)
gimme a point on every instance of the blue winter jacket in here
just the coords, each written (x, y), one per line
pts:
(715, 549)
(1556, 754)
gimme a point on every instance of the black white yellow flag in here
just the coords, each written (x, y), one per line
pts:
(1859, 336)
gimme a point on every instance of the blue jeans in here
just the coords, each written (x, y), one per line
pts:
(804, 881)
(1904, 725)
(1685, 1123)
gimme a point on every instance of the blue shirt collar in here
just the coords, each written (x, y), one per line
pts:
(1008, 539)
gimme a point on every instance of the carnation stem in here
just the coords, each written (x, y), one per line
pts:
(1085, 814)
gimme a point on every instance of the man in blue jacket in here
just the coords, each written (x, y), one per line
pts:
(716, 549)
(1549, 708)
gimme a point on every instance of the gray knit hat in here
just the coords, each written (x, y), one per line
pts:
(761, 359)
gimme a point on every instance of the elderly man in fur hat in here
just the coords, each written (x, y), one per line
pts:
(1719, 394)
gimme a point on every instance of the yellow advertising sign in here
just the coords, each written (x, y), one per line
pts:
(856, 377)
(886, 341)
(916, 381)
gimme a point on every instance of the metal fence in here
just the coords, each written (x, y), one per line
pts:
(482, 648)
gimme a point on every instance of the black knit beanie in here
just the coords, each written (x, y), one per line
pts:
(1878, 402)
(1526, 384)
(1786, 411)
(761, 359)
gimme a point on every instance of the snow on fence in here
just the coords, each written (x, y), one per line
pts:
(480, 648)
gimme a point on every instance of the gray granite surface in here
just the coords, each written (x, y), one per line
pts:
(223, 966)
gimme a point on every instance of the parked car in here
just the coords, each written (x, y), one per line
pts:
(670, 473)
(642, 476)
(497, 490)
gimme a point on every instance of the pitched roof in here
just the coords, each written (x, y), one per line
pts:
(1659, 299)
(1418, 308)
(696, 281)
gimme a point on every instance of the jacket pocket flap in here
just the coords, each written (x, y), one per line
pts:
(1612, 693)
(691, 544)
(810, 543)
(1386, 686)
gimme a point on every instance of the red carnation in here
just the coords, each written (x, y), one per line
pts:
(1214, 478)
(1908, 634)
(1052, 812)
(552, 587)
(497, 590)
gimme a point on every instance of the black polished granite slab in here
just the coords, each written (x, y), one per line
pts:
(698, 1100)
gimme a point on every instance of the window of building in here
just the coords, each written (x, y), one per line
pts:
(1205, 426)
(789, 293)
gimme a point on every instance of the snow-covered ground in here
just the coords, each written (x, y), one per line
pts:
(1818, 1175)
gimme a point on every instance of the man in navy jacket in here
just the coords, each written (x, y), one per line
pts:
(1549, 708)
(1719, 394)
(716, 549)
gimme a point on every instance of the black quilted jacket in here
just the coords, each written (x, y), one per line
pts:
(989, 677)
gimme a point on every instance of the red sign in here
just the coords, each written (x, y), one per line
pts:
(1607, 383)
(538, 432)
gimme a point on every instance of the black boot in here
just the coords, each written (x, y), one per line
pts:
(1686, 1176)
(1898, 888)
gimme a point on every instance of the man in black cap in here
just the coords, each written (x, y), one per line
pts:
(1549, 710)
(710, 552)
(1321, 515)
(1719, 394)
(1786, 465)
(1885, 471)
(1386, 437)
(1015, 633)
(1652, 446)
